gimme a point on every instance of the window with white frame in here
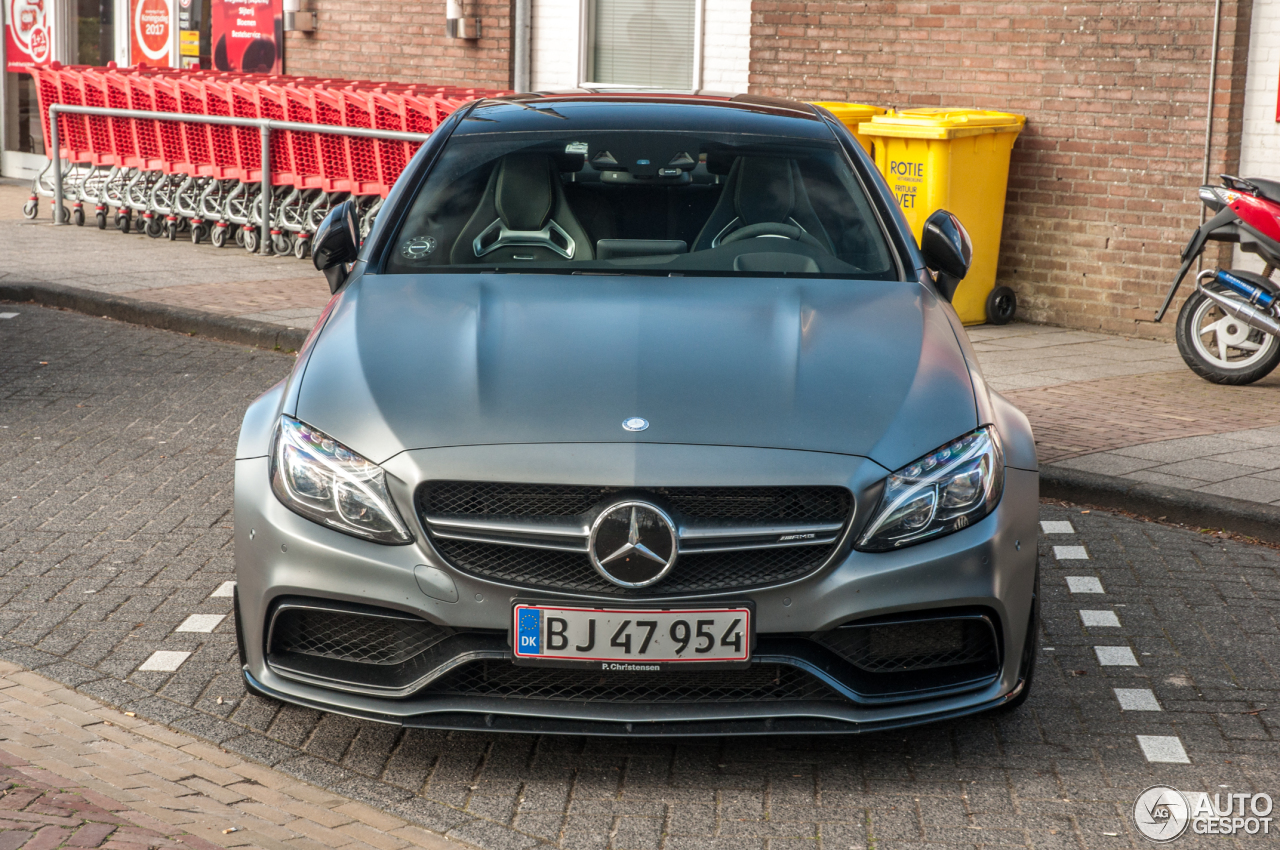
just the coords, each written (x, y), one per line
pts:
(641, 43)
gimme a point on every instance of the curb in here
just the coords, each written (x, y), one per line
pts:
(1189, 507)
(163, 316)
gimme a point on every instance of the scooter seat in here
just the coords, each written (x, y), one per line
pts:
(1269, 189)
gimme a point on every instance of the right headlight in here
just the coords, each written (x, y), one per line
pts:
(946, 490)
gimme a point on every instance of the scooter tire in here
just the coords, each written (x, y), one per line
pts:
(1210, 371)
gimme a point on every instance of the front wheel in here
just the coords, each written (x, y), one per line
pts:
(1221, 348)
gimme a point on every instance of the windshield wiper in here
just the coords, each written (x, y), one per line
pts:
(547, 111)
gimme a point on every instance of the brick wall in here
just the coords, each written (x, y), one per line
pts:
(403, 42)
(1103, 179)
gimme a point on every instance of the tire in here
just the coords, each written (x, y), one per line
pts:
(123, 223)
(63, 215)
(250, 240)
(302, 248)
(218, 237)
(1199, 318)
(171, 230)
(100, 219)
(239, 237)
(198, 233)
(154, 227)
(31, 209)
(282, 244)
(77, 216)
(1002, 303)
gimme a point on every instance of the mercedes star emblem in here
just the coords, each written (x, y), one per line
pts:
(635, 423)
(633, 544)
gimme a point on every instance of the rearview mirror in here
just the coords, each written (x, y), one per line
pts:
(947, 250)
(336, 243)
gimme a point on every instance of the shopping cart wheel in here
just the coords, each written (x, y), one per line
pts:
(240, 237)
(63, 215)
(282, 244)
(171, 230)
(218, 236)
(154, 227)
(250, 239)
(77, 215)
(31, 208)
(124, 222)
(302, 248)
(198, 233)
(100, 219)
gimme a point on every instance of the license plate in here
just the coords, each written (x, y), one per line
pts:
(630, 639)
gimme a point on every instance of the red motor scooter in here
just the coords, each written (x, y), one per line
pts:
(1228, 331)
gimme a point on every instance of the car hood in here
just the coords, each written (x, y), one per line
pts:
(869, 368)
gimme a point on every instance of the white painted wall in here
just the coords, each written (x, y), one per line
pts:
(554, 38)
(726, 44)
(1260, 143)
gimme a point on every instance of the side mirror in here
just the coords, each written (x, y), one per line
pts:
(947, 250)
(336, 243)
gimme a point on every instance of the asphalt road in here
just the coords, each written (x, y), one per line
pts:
(115, 528)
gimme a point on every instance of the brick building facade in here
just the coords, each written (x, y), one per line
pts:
(1103, 179)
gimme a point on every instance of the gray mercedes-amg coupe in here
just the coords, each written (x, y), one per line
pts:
(638, 414)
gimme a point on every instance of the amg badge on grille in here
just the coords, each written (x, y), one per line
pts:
(633, 544)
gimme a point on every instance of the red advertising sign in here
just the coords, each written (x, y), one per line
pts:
(152, 31)
(248, 35)
(29, 35)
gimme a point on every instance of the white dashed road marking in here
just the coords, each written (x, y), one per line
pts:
(1137, 699)
(1070, 553)
(1056, 526)
(1166, 749)
(1084, 584)
(227, 588)
(1115, 656)
(201, 623)
(164, 661)
(8, 315)
(1100, 619)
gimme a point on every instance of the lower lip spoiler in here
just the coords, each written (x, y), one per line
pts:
(796, 724)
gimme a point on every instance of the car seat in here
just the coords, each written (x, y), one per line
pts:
(762, 191)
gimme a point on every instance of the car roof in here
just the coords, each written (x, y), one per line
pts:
(646, 110)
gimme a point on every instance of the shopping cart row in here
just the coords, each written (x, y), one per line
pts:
(171, 177)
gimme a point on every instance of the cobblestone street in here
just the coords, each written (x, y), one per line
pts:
(1158, 661)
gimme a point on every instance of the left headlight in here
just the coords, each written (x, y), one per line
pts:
(946, 490)
(321, 479)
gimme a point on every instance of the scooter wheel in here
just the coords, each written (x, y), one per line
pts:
(154, 227)
(31, 209)
(282, 244)
(198, 233)
(1220, 348)
(218, 237)
(302, 248)
(77, 215)
(100, 219)
(1001, 305)
(250, 239)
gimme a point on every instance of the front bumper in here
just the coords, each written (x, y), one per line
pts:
(987, 568)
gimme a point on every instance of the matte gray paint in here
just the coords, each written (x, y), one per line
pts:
(850, 367)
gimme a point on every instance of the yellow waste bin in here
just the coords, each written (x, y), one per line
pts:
(853, 114)
(957, 160)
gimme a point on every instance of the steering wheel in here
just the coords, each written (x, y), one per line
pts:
(775, 230)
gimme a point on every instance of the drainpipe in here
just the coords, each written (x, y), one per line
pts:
(520, 48)
(1213, 83)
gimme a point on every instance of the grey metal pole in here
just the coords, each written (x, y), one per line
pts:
(265, 248)
(56, 159)
(520, 70)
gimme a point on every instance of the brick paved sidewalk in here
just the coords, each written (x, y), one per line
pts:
(76, 774)
(1126, 408)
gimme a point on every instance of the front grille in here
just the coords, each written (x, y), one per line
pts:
(913, 646)
(694, 572)
(738, 504)
(757, 683)
(383, 639)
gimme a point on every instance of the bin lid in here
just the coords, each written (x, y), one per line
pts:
(940, 122)
(851, 113)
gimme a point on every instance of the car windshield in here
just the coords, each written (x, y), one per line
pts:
(642, 202)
